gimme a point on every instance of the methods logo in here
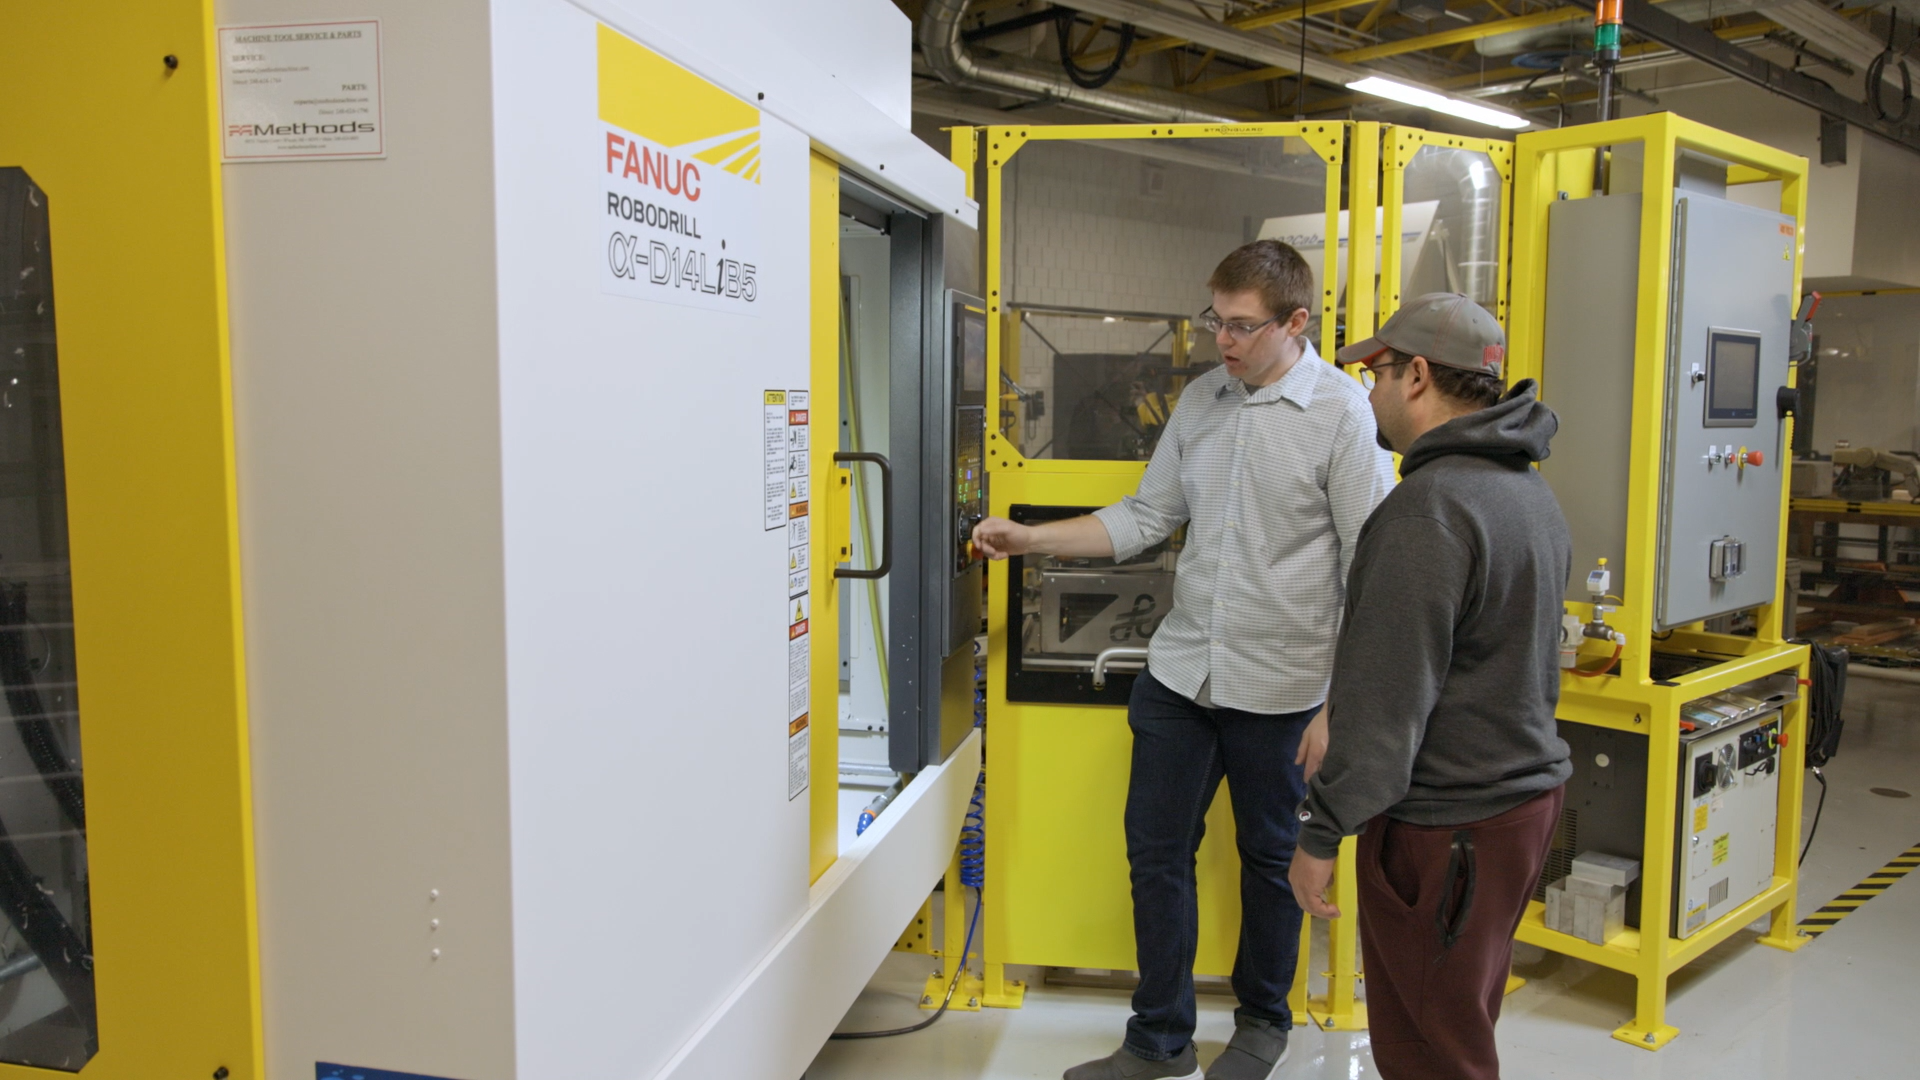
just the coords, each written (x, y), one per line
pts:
(695, 121)
(344, 127)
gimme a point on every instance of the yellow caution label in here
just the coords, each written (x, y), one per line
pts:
(776, 397)
(1720, 846)
(1700, 818)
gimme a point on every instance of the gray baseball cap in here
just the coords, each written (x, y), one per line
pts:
(1446, 328)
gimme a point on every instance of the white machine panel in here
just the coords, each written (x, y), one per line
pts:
(1729, 805)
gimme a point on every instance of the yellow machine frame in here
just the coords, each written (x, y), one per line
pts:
(1399, 145)
(146, 404)
(1548, 164)
(1076, 802)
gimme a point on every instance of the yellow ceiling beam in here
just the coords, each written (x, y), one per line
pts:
(1374, 16)
(1465, 33)
(1239, 78)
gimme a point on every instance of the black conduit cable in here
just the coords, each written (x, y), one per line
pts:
(1818, 807)
(1828, 670)
(1083, 77)
(29, 711)
(46, 931)
(23, 900)
(959, 972)
(1300, 88)
(973, 875)
(1876, 78)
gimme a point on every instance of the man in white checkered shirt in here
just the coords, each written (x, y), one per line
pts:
(1272, 461)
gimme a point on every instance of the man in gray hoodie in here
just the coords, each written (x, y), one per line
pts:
(1442, 750)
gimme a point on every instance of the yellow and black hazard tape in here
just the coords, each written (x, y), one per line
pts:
(1871, 886)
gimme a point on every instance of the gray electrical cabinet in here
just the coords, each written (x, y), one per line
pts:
(1729, 309)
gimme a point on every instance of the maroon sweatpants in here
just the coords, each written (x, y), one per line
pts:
(1439, 906)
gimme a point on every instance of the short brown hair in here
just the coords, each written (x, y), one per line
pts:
(1474, 389)
(1270, 268)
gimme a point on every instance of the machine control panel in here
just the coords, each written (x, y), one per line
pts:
(1727, 358)
(969, 345)
(969, 482)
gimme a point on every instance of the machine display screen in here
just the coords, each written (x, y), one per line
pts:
(971, 329)
(1733, 378)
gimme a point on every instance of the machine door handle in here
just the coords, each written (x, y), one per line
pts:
(886, 517)
(1120, 653)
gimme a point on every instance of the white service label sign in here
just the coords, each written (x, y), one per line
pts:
(301, 91)
(677, 183)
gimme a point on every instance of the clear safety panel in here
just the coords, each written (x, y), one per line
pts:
(1106, 248)
(1450, 225)
(1072, 611)
(47, 1016)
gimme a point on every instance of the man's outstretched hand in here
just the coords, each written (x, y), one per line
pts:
(998, 538)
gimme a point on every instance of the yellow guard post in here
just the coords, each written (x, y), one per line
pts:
(113, 119)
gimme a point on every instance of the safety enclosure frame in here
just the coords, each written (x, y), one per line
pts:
(1550, 166)
(1056, 771)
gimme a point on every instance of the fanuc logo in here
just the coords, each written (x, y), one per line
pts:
(345, 127)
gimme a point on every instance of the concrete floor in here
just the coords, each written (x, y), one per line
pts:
(1833, 1010)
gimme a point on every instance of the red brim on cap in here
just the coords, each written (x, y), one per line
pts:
(1360, 351)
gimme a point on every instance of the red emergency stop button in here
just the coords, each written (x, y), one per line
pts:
(1780, 739)
(1754, 458)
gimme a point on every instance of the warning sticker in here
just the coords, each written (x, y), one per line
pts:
(778, 461)
(797, 510)
(1720, 847)
(1700, 818)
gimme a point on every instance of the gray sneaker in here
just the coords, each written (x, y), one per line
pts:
(1256, 1051)
(1124, 1064)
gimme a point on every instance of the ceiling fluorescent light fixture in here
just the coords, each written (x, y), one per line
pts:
(1427, 99)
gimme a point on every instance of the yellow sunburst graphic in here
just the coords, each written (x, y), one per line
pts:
(660, 101)
(738, 152)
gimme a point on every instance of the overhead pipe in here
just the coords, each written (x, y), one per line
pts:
(1208, 34)
(1270, 52)
(1477, 32)
(947, 56)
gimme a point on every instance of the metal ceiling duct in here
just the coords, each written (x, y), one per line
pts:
(949, 58)
(1212, 35)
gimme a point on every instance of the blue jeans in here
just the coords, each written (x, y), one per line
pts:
(1180, 753)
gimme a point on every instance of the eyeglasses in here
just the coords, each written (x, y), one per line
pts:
(1213, 324)
(1369, 372)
